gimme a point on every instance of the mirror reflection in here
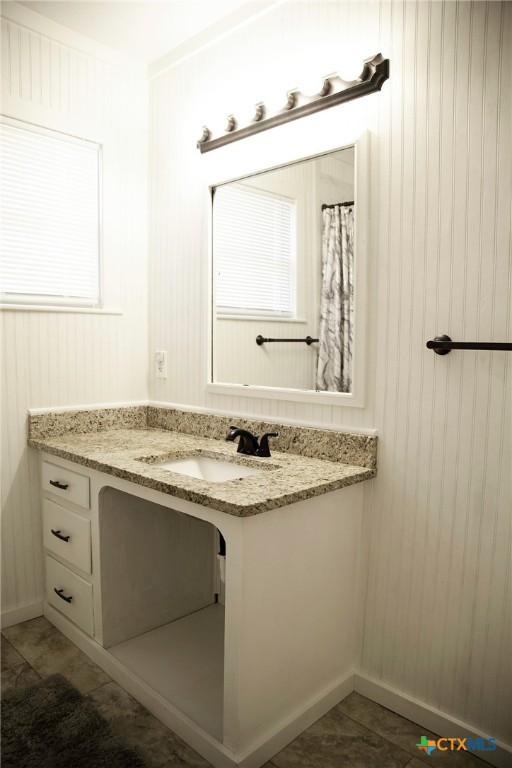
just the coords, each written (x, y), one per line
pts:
(283, 264)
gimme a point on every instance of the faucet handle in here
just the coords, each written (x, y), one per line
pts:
(264, 449)
(230, 435)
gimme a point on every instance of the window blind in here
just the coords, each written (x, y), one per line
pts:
(254, 252)
(49, 227)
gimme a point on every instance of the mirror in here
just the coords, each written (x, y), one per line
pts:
(283, 258)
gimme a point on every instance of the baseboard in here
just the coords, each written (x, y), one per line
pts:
(286, 731)
(22, 613)
(429, 718)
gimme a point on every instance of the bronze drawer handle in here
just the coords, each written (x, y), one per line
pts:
(60, 593)
(59, 535)
(61, 486)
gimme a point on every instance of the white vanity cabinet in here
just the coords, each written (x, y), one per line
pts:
(236, 681)
(67, 543)
(67, 535)
(70, 594)
(66, 484)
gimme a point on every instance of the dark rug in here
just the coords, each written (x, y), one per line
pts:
(51, 725)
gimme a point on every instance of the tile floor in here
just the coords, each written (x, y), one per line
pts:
(357, 733)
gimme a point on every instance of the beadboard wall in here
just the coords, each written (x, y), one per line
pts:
(437, 622)
(54, 78)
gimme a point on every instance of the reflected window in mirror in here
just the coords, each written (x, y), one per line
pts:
(255, 252)
(283, 271)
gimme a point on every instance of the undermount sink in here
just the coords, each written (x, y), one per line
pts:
(207, 468)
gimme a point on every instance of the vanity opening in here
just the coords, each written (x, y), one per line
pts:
(162, 593)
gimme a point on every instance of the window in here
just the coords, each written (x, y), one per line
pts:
(50, 217)
(254, 252)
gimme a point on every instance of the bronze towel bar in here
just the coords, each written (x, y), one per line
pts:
(443, 344)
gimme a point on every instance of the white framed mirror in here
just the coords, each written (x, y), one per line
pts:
(288, 275)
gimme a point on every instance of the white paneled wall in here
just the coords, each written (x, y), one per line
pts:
(49, 77)
(438, 517)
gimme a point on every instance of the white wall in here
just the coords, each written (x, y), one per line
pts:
(54, 78)
(438, 527)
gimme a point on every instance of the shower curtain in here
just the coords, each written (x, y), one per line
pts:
(334, 367)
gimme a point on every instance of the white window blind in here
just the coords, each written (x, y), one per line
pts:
(254, 252)
(50, 217)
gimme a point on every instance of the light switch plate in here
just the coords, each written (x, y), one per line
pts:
(161, 364)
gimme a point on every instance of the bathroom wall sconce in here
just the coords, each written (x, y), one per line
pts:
(334, 91)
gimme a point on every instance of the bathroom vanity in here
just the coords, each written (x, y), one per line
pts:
(137, 505)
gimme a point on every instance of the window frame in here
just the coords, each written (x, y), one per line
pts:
(47, 301)
(239, 313)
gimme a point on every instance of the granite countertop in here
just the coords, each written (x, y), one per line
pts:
(131, 453)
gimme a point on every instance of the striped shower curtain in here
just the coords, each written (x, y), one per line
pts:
(334, 367)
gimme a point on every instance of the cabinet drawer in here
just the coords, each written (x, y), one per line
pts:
(67, 534)
(65, 484)
(69, 594)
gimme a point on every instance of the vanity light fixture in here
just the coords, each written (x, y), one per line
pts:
(334, 91)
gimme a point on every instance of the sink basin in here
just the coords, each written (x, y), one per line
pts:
(206, 468)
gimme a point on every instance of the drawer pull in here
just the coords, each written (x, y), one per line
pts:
(60, 593)
(57, 484)
(59, 535)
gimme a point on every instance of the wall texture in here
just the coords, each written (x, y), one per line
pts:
(438, 525)
(51, 78)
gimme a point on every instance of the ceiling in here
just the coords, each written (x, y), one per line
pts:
(149, 29)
